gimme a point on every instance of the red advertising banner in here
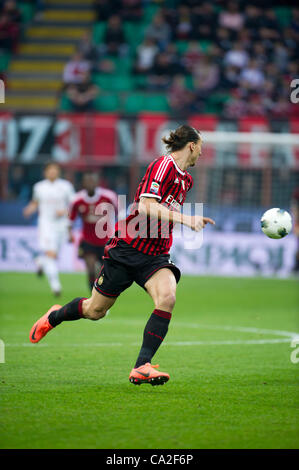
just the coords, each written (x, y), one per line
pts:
(104, 137)
(5, 150)
(203, 122)
(70, 137)
(86, 137)
(95, 138)
(150, 128)
(256, 155)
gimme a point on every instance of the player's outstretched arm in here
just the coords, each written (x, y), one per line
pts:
(30, 209)
(71, 237)
(152, 208)
(198, 222)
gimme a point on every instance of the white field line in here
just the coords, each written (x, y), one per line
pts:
(242, 329)
(288, 337)
(169, 343)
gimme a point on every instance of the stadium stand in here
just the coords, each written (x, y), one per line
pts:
(195, 41)
(49, 37)
(234, 58)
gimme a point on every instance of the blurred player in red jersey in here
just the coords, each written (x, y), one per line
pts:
(143, 255)
(91, 246)
(295, 213)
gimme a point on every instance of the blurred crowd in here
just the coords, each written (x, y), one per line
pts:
(190, 49)
(10, 25)
(231, 47)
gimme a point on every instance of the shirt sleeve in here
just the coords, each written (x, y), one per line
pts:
(158, 177)
(35, 193)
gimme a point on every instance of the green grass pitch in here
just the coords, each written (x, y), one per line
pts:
(228, 350)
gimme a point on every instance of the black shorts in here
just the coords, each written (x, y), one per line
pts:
(86, 248)
(124, 265)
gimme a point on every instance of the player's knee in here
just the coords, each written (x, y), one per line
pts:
(93, 313)
(97, 313)
(166, 301)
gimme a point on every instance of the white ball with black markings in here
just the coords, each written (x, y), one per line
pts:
(276, 223)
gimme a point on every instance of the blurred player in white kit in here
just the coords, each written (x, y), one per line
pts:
(51, 198)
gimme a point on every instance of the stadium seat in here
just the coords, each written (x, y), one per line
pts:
(123, 65)
(4, 60)
(140, 81)
(182, 46)
(122, 83)
(149, 12)
(27, 11)
(134, 103)
(98, 32)
(114, 82)
(65, 104)
(156, 102)
(137, 102)
(134, 33)
(215, 102)
(283, 15)
(189, 82)
(102, 80)
(108, 102)
(204, 45)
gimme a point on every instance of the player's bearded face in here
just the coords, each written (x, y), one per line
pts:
(195, 152)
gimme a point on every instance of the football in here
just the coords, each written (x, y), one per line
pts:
(276, 223)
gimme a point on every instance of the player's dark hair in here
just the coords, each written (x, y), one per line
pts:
(90, 174)
(180, 137)
(51, 163)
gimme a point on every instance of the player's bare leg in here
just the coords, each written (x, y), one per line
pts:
(39, 265)
(92, 308)
(50, 268)
(162, 288)
(97, 306)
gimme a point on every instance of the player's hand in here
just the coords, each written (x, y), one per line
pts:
(197, 222)
(60, 212)
(27, 212)
(71, 238)
(30, 209)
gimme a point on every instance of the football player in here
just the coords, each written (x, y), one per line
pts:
(139, 252)
(51, 198)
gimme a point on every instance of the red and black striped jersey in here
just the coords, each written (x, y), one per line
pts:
(84, 206)
(166, 182)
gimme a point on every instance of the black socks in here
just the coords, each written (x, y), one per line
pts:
(154, 333)
(69, 312)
